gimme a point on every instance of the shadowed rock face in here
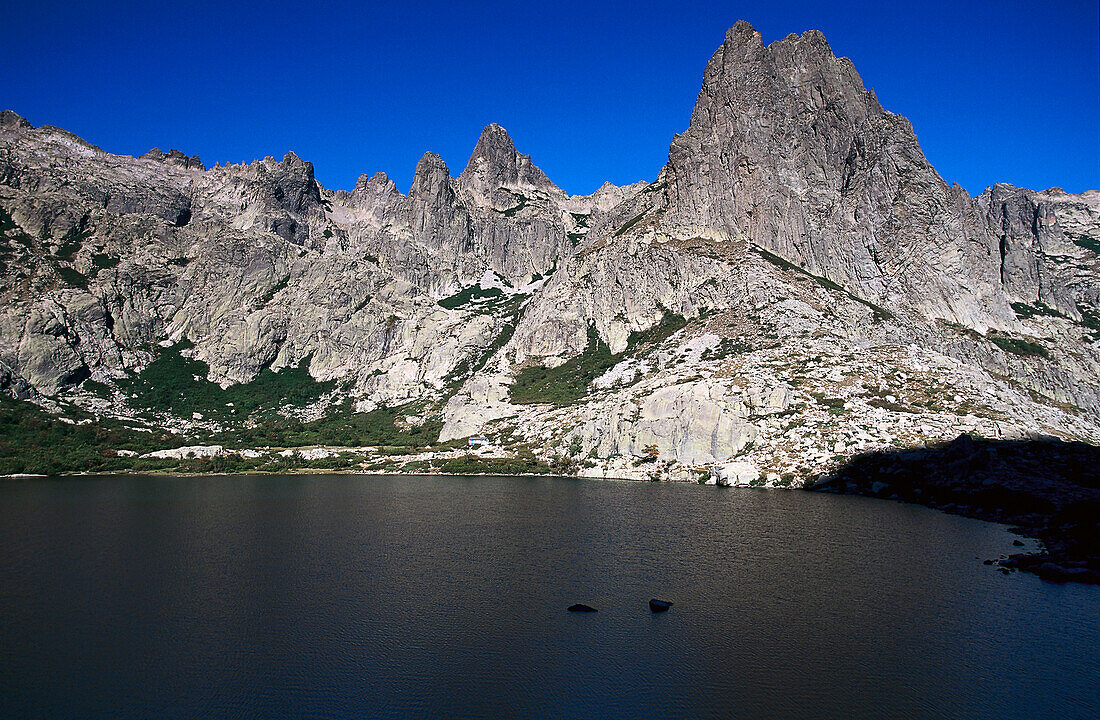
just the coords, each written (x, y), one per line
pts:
(1049, 489)
(826, 291)
(1035, 233)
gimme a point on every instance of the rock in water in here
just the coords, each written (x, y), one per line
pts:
(581, 607)
(659, 605)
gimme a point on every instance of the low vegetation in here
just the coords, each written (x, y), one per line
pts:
(1025, 310)
(469, 295)
(34, 441)
(1087, 243)
(177, 384)
(1016, 346)
(568, 383)
(71, 243)
(273, 291)
(340, 427)
(878, 313)
(102, 261)
(726, 347)
(629, 224)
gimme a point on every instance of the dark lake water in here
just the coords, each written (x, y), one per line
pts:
(346, 596)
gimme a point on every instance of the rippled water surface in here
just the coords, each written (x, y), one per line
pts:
(346, 596)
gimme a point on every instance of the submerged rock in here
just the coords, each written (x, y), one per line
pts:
(659, 605)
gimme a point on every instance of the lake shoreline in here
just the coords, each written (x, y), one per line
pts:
(1054, 562)
(1044, 489)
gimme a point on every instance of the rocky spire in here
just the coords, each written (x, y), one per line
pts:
(787, 149)
(496, 163)
(431, 178)
(436, 218)
(9, 118)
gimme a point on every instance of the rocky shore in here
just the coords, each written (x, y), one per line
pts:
(1045, 488)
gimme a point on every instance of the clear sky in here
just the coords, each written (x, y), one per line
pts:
(997, 91)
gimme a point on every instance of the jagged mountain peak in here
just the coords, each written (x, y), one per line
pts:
(496, 163)
(431, 171)
(788, 149)
(378, 180)
(9, 118)
(174, 157)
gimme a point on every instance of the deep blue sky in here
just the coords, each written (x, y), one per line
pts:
(997, 91)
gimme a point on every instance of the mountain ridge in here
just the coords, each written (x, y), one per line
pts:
(797, 259)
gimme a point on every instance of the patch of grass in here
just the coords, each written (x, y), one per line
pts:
(273, 291)
(568, 382)
(1016, 346)
(179, 385)
(1087, 243)
(468, 295)
(629, 224)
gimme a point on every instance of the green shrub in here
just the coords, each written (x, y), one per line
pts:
(470, 294)
(73, 278)
(878, 313)
(472, 464)
(104, 262)
(179, 385)
(1016, 346)
(629, 224)
(71, 243)
(34, 441)
(1087, 243)
(343, 426)
(273, 291)
(568, 382)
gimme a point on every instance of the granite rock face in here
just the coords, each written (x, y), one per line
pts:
(786, 148)
(1048, 245)
(798, 284)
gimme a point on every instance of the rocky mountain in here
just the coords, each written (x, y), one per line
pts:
(797, 286)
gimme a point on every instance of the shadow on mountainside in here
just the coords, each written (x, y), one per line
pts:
(1046, 489)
